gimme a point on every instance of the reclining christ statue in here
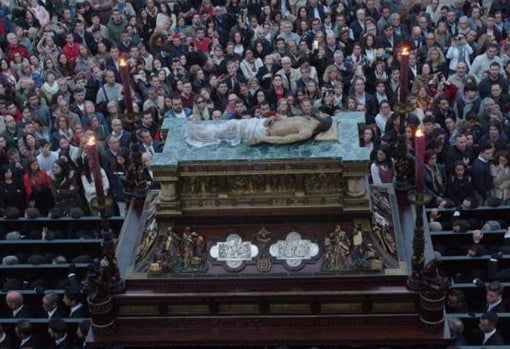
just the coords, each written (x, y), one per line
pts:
(255, 131)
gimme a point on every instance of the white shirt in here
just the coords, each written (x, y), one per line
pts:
(75, 307)
(16, 311)
(60, 340)
(486, 336)
(51, 312)
(24, 340)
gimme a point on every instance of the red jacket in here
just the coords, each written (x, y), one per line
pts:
(71, 52)
(32, 182)
(13, 49)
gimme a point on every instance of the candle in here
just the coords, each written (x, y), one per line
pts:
(420, 160)
(95, 168)
(404, 75)
(124, 75)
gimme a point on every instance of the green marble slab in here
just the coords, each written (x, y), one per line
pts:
(346, 147)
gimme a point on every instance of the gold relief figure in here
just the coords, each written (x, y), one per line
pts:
(145, 245)
(338, 248)
(171, 243)
(193, 249)
(187, 246)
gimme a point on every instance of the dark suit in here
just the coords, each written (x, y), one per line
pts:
(33, 343)
(65, 344)
(125, 139)
(495, 339)
(24, 313)
(357, 30)
(311, 11)
(59, 313)
(500, 308)
(156, 145)
(7, 342)
(79, 313)
(481, 177)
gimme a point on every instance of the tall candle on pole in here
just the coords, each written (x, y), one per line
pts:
(124, 75)
(420, 161)
(95, 169)
(404, 75)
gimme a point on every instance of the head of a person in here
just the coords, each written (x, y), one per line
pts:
(488, 322)
(494, 292)
(24, 329)
(486, 151)
(14, 300)
(50, 301)
(57, 328)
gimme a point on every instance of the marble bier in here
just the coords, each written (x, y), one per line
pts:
(222, 179)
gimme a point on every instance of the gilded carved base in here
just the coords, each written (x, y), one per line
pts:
(278, 186)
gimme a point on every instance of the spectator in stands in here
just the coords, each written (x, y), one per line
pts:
(494, 297)
(57, 329)
(82, 332)
(26, 333)
(64, 186)
(455, 302)
(52, 307)
(125, 137)
(489, 335)
(147, 144)
(459, 186)
(89, 188)
(46, 157)
(6, 341)
(456, 327)
(481, 174)
(12, 191)
(500, 172)
(37, 185)
(382, 168)
(15, 302)
(434, 178)
(72, 300)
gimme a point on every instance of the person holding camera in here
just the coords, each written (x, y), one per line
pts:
(459, 52)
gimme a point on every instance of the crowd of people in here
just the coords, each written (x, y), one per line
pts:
(61, 85)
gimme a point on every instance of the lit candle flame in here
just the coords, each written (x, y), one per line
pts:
(419, 133)
(122, 62)
(91, 141)
(405, 51)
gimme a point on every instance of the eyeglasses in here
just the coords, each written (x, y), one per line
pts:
(200, 102)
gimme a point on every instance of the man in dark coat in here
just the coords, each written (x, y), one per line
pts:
(489, 333)
(15, 303)
(481, 172)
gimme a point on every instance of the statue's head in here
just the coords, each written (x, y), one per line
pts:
(325, 122)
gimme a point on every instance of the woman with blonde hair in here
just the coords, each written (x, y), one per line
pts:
(200, 109)
(282, 108)
(330, 76)
(436, 61)
(442, 35)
